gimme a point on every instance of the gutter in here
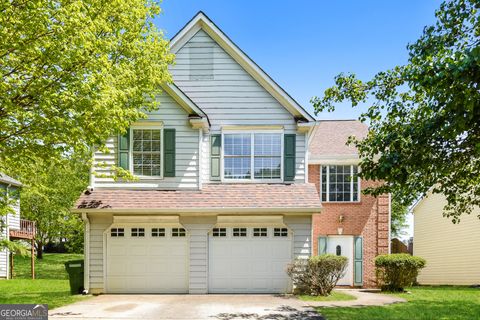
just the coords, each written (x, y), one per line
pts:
(212, 211)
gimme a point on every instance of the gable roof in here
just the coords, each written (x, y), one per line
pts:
(329, 139)
(9, 180)
(201, 21)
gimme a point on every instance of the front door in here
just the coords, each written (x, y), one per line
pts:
(343, 246)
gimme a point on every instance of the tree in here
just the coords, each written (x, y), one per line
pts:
(74, 73)
(425, 115)
(49, 196)
(398, 217)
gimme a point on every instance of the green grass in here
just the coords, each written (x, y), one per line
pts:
(334, 296)
(50, 286)
(442, 302)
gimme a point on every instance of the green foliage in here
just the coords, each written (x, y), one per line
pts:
(74, 73)
(397, 271)
(398, 220)
(424, 116)
(49, 196)
(8, 200)
(317, 275)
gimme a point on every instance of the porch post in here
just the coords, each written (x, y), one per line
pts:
(32, 263)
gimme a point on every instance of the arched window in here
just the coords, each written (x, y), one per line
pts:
(339, 250)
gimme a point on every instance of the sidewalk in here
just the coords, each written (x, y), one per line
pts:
(364, 298)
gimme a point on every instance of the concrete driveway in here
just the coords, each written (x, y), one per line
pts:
(212, 307)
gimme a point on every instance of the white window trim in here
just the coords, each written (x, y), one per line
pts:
(252, 156)
(351, 184)
(130, 151)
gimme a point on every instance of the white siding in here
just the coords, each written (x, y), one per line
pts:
(98, 224)
(232, 97)
(198, 229)
(3, 255)
(302, 235)
(14, 218)
(173, 116)
(451, 250)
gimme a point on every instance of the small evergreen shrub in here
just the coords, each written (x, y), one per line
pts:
(317, 275)
(397, 271)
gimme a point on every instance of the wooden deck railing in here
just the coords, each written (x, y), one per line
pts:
(27, 230)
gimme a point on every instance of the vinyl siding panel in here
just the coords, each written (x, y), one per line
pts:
(302, 235)
(98, 224)
(451, 250)
(198, 229)
(3, 255)
(186, 165)
(231, 98)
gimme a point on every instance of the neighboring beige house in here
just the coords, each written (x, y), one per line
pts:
(452, 250)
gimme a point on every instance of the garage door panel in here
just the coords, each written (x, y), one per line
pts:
(147, 264)
(249, 264)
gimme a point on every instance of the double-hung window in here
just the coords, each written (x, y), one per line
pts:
(340, 183)
(252, 156)
(147, 151)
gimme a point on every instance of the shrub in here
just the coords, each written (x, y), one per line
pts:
(397, 271)
(317, 275)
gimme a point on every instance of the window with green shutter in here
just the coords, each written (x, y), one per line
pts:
(215, 153)
(123, 150)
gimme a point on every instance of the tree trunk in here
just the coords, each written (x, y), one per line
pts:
(39, 250)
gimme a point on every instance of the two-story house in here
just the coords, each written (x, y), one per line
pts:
(222, 202)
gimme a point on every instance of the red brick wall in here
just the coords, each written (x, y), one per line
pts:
(368, 218)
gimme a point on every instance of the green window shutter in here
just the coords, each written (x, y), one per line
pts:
(123, 150)
(169, 152)
(322, 245)
(358, 261)
(215, 151)
(289, 151)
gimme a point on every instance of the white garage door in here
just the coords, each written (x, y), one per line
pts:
(249, 260)
(147, 260)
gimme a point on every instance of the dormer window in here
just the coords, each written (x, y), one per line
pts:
(252, 156)
(340, 183)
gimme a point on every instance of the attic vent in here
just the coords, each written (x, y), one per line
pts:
(201, 61)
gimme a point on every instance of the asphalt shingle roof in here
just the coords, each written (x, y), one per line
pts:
(330, 137)
(212, 196)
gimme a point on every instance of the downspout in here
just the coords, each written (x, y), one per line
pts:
(86, 277)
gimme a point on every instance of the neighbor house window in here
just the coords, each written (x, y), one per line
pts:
(252, 156)
(340, 183)
(147, 152)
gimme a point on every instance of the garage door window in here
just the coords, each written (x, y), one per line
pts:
(138, 232)
(259, 232)
(178, 232)
(280, 232)
(117, 232)
(239, 232)
(219, 232)
(158, 232)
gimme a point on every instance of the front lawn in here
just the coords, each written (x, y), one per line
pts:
(443, 302)
(50, 286)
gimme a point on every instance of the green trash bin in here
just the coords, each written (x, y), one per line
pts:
(75, 275)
